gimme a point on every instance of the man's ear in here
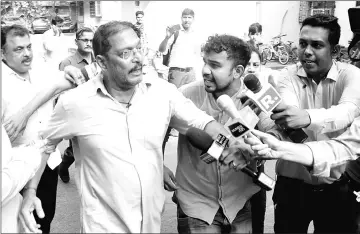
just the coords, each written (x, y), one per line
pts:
(101, 61)
(238, 71)
(335, 51)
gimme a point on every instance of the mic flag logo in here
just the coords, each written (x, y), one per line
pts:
(237, 129)
(269, 100)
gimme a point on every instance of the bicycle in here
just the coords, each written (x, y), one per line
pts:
(276, 50)
(292, 50)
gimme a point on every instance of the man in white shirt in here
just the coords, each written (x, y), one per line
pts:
(117, 122)
(25, 96)
(184, 50)
(323, 98)
(18, 166)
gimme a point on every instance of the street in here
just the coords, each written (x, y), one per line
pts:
(67, 216)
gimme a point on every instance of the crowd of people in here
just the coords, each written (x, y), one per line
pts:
(118, 116)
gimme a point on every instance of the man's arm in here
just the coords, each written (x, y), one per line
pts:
(60, 126)
(63, 64)
(320, 120)
(164, 43)
(339, 116)
(321, 156)
(16, 123)
(21, 163)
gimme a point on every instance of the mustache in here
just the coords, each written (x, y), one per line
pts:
(137, 67)
(28, 59)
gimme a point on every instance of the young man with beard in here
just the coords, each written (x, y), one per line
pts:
(117, 122)
(211, 198)
(323, 98)
(83, 56)
(25, 89)
(185, 50)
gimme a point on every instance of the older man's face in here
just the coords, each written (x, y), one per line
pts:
(17, 53)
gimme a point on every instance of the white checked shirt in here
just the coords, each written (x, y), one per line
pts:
(333, 104)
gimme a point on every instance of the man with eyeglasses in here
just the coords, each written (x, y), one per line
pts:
(82, 57)
(118, 121)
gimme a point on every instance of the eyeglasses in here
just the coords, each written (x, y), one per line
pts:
(125, 54)
(86, 40)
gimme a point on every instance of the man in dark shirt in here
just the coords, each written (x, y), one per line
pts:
(82, 57)
(84, 53)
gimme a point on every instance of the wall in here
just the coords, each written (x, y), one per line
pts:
(232, 17)
(272, 19)
(279, 17)
(113, 10)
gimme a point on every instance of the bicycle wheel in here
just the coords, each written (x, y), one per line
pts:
(263, 58)
(294, 56)
(283, 57)
(267, 53)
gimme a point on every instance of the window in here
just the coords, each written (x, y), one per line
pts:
(325, 7)
(309, 8)
(95, 9)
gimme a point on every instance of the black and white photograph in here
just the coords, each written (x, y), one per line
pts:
(180, 117)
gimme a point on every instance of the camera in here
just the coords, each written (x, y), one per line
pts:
(354, 47)
(354, 18)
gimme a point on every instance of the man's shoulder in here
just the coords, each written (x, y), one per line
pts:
(70, 60)
(348, 68)
(80, 94)
(193, 88)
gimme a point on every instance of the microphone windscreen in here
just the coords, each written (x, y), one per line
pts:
(199, 138)
(252, 83)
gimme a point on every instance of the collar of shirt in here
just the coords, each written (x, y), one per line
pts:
(8, 72)
(332, 74)
(99, 85)
(183, 29)
(79, 58)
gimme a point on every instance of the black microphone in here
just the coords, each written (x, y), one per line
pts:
(211, 150)
(203, 141)
(267, 99)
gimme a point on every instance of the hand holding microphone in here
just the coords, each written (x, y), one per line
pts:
(269, 100)
(232, 156)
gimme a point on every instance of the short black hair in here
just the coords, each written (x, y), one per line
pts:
(53, 22)
(139, 13)
(81, 31)
(13, 30)
(236, 48)
(101, 43)
(188, 11)
(255, 28)
(328, 22)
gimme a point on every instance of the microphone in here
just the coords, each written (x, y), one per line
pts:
(242, 121)
(267, 99)
(203, 141)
